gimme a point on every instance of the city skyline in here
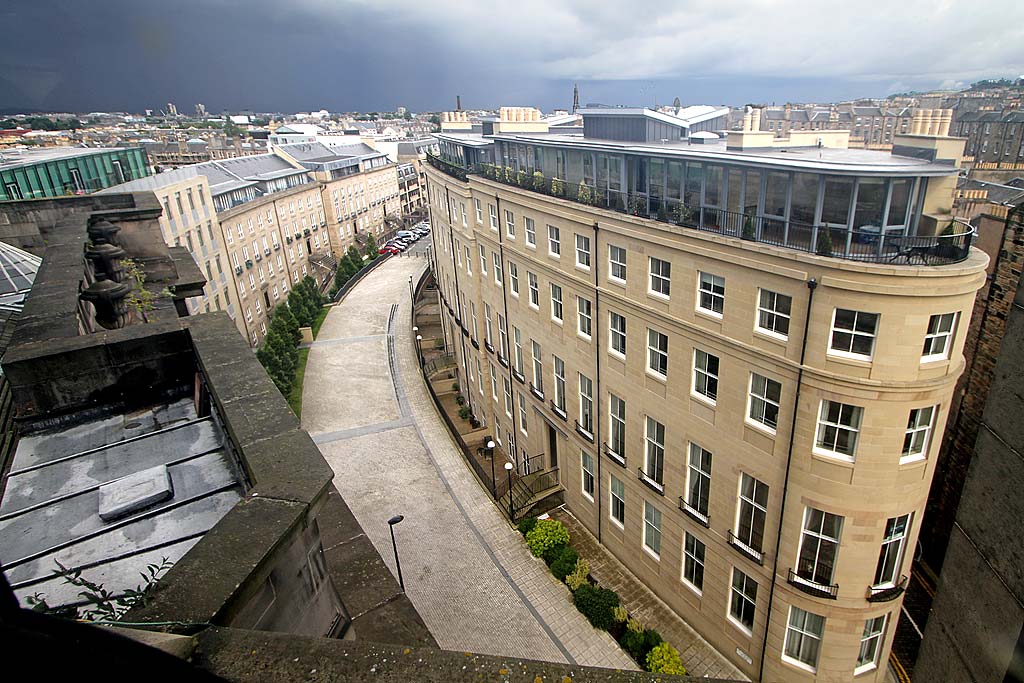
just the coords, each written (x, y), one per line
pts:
(119, 56)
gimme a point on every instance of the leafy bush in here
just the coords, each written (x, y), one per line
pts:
(621, 615)
(638, 642)
(597, 605)
(460, 400)
(465, 412)
(565, 563)
(553, 553)
(583, 195)
(538, 181)
(579, 574)
(525, 526)
(548, 533)
(824, 243)
(664, 659)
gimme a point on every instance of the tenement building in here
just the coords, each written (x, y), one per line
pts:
(256, 225)
(736, 352)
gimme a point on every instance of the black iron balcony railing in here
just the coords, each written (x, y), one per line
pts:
(617, 458)
(820, 590)
(867, 243)
(887, 593)
(751, 552)
(651, 482)
(693, 512)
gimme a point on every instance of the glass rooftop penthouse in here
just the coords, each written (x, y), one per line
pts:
(808, 192)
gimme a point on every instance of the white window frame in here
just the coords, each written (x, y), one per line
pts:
(691, 559)
(652, 529)
(507, 386)
(945, 336)
(531, 232)
(873, 637)
(513, 278)
(613, 497)
(479, 211)
(614, 265)
(554, 241)
(517, 345)
(656, 352)
(559, 377)
(496, 262)
(557, 300)
(894, 539)
(483, 261)
(584, 318)
(854, 334)
(616, 423)
(493, 211)
(616, 337)
(583, 252)
(695, 473)
(801, 631)
(920, 432)
(811, 532)
(662, 278)
(757, 510)
(704, 375)
(768, 312)
(756, 400)
(820, 445)
(510, 224)
(522, 414)
(654, 453)
(533, 287)
(707, 283)
(743, 595)
(586, 415)
(586, 473)
(538, 367)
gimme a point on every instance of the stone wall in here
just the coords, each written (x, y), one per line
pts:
(981, 350)
(975, 625)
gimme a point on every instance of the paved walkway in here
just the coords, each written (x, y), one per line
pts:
(699, 658)
(467, 572)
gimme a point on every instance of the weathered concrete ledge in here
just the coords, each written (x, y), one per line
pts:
(256, 656)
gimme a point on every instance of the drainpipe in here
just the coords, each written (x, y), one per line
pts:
(597, 379)
(812, 284)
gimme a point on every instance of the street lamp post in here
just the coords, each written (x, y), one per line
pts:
(489, 445)
(419, 352)
(394, 546)
(511, 512)
(411, 295)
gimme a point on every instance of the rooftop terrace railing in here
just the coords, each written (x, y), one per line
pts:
(867, 243)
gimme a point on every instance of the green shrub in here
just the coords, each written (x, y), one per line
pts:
(597, 605)
(465, 413)
(553, 553)
(664, 659)
(638, 641)
(547, 533)
(565, 563)
(621, 615)
(525, 526)
(824, 243)
(460, 400)
(578, 576)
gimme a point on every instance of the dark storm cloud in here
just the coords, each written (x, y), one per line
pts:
(364, 55)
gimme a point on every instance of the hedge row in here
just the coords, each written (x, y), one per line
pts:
(549, 539)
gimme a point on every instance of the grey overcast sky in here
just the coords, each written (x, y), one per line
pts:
(344, 55)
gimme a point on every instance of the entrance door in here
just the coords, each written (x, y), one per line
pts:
(552, 446)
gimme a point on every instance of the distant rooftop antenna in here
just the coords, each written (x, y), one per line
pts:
(575, 97)
(458, 103)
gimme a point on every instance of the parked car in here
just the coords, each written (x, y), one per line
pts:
(407, 233)
(389, 249)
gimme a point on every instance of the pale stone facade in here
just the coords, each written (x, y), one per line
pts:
(811, 485)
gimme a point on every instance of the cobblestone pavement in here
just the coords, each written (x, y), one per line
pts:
(699, 658)
(467, 572)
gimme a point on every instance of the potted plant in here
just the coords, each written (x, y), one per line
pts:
(637, 205)
(823, 246)
(538, 181)
(557, 187)
(460, 400)
(583, 195)
(465, 412)
(748, 229)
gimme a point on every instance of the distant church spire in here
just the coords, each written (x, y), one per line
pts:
(575, 97)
